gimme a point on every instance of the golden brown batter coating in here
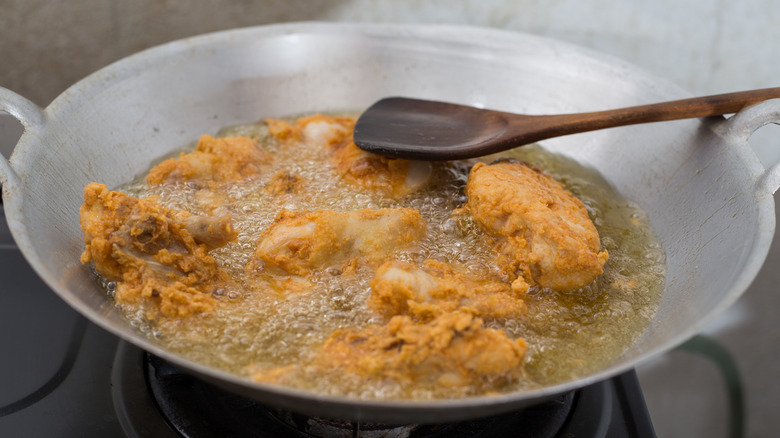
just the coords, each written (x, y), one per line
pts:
(453, 350)
(153, 253)
(300, 242)
(215, 160)
(317, 130)
(284, 183)
(393, 177)
(400, 288)
(542, 234)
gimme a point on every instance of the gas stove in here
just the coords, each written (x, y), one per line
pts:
(64, 376)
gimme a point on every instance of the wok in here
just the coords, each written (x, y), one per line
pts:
(708, 197)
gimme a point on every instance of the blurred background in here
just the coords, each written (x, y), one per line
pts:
(706, 47)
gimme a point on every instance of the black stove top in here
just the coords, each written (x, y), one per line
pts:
(63, 376)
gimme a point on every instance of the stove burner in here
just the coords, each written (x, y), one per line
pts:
(326, 427)
(540, 421)
(192, 408)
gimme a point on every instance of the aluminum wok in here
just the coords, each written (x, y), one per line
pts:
(708, 197)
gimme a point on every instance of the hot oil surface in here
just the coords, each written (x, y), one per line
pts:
(270, 322)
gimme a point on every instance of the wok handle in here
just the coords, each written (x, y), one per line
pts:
(31, 116)
(742, 125)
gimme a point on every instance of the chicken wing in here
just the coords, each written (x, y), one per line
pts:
(453, 350)
(300, 242)
(393, 177)
(400, 288)
(154, 253)
(214, 160)
(542, 233)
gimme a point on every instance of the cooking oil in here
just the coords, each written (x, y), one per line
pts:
(272, 321)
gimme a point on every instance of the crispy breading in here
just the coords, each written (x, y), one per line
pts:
(393, 177)
(214, 160)
(153, 253)
(541, 232)
(303, 241)
(284, 183)
(316, 130)
(452, 350)
(401, 288)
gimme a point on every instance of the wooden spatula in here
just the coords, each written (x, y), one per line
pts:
(428, 130)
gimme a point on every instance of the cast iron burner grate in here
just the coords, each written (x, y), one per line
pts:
(194, 409)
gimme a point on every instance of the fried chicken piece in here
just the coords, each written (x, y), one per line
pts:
(214, 160)
(317, 130)
(542, 233)
(285, 183)
(401, 288)
(300, 242)
(153, 253)
(393, 177)
(453, 350)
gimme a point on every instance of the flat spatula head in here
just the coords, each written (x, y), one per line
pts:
(428, 130)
